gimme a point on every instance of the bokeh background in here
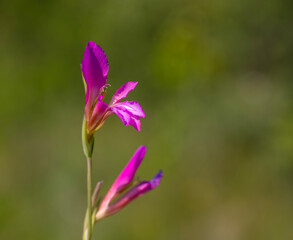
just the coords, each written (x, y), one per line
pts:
(215, 81)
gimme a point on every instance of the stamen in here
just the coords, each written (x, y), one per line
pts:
(104, 94)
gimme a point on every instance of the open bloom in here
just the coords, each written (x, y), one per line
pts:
(95, 69)
(123, 183)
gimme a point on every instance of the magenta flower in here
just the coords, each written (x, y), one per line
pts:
(123, 183)
(95, 69)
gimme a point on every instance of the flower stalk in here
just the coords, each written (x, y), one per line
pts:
(88, 145)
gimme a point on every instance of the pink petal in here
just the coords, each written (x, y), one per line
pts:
(122, 92)
(135, 192)
(125, 176)
(129, 113)
(123, 114)
(135, 122)
(132, 107)
(94, 69)
(99, 109)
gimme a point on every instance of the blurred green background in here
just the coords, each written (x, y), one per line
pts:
(215, 81)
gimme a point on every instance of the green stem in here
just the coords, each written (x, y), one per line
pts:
(88, 224)
(89, 196)
(88, 149)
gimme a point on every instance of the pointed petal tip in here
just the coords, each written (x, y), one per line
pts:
(156, 179)
(160, 174)
(135, 122)
(133, 83)
(141, 150)
(91, 43)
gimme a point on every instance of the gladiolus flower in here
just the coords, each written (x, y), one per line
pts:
(95, 69)
(123, 183)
